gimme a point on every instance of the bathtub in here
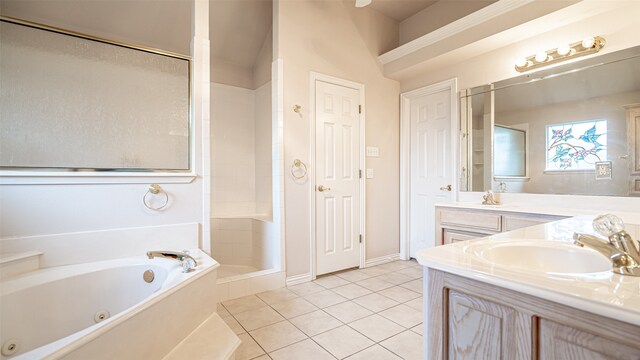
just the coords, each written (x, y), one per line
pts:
(105, 309)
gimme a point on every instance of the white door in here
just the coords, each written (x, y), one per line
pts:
(431, 164)
(337, 177)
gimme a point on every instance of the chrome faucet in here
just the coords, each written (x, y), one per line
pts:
(188, 262)
(620, 247)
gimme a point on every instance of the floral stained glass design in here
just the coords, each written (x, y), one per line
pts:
(577, 145)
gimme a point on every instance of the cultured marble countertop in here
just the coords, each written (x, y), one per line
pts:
(604, 293)
(539, 209)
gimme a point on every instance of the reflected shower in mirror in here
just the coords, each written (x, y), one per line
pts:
(547, 132)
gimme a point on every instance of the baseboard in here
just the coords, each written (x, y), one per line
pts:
(298, 279)
(381, 260)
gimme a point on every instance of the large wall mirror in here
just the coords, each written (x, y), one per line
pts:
(73, 103)
(572, 129)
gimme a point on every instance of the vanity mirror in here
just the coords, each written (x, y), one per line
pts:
(70, 102)
(572, 129)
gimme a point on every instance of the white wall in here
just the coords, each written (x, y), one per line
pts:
(232, 150)
(241, 151)
(55, 209)
(335, 38)
(263, 154)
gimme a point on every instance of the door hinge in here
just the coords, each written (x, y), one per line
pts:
(360, 174)
(360, 237)
(359, 109)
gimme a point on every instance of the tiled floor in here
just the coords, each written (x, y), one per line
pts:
(373, 313)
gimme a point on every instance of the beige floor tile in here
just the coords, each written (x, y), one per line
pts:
(257, 318)
(418, 329)
(395, 278)
(407, 345)
(403, 315)
(243, 304)
(294, 307)
(400, 294)
(222, 311)
(278, 295)
(353, 275)
(376, 328)
(396, 265)
(351, 291)
(375, 352)
(412, 272)
(415, 303)
(375, 302)
(348, 311)
(330, 281)
(374, 284)
(276, 336)
(234, 324)
(262, 357)
(248, 349)
(415, 285)
(315, 322)
(307, 350)
(374, 271)
(325, 298)
(342, 341)
(306, 288)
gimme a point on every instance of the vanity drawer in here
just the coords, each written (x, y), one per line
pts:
(513, 222)
(477, 220)
(453, 236)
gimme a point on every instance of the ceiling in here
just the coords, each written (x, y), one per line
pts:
(237, 29)
(401, 9)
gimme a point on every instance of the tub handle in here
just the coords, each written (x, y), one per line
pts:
(155, 189)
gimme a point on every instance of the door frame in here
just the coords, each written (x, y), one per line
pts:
(313, 77)
(405, 153)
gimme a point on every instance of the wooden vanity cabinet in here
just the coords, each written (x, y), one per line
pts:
(460, 224)
(467, 319)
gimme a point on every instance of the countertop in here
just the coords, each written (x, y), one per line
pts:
(603, 293)
(628, 217)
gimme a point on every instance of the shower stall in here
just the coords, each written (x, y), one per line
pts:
(246, 149)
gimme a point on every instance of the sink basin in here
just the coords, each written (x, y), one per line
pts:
(540, 256)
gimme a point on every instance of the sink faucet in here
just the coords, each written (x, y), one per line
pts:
(620, 247)
(187, 261)
(489, 198)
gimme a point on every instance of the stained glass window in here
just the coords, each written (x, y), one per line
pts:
(576, 145)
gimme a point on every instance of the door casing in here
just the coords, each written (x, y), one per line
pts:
(450, 85)
(314, 76)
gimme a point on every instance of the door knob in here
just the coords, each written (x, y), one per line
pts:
(446, 188)
(322, 188)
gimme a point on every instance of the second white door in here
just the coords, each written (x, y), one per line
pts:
(337, 177)
(431, 164)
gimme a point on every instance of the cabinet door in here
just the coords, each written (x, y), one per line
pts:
(562, 342)
(452, 236)
(480, 329)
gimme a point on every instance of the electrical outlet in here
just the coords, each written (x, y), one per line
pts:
(370, 174)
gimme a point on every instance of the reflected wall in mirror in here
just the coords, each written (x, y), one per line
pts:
(70, 102)
(568, 119)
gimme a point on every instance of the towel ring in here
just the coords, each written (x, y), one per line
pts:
(298, 165)
(155, 189)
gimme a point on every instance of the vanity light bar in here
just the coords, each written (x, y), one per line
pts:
(587, 46)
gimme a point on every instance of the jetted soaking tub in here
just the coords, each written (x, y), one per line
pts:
(124, 308)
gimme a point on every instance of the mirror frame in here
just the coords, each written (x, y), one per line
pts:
(27, 171)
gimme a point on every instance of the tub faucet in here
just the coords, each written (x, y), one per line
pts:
(188, 262)
(620, 247)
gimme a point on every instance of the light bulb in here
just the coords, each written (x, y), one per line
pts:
(521, 62)
(563, 50)
(541, 56)
(588, 43)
